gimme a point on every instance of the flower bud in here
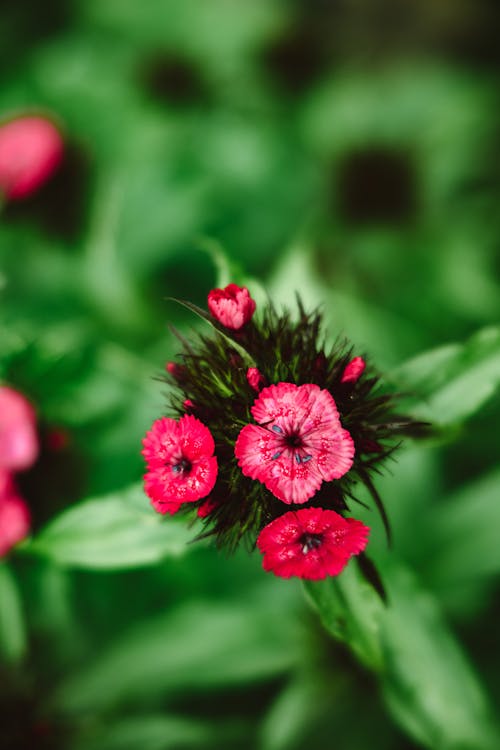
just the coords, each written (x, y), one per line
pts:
(354, 370)
(231, 306)
(255, 379)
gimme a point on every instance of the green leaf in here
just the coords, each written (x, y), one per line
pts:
(194, 647)
(114, 531)
(350, 610)
(12, 629)
(449, 384)
(429, 686)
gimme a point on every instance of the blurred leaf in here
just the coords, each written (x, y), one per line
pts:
(115, 531)
(429, 686)
(197, 646)
(12, 629)
(295, 712)
(148, 732)
(452, 382)
(464, 535)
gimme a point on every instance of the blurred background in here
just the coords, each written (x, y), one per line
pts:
(345, 149)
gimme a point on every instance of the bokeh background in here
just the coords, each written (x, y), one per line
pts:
(345, 150)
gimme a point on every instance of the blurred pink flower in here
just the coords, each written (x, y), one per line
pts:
(14, 515)
(18, 437)
(31, 149)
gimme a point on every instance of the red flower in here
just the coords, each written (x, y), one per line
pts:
(180, 462)
(311, 543)
(231, 306)
(31, 149)
(14, 515)
(354, 370)
(255, 379)
(300, 444)
(18, 438)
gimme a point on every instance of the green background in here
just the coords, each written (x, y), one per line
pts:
(347, 151)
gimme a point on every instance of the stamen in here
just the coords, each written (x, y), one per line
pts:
(183, 466)
(305, 459)
(298, 458)
(277, 428)
(276, 455)
(310, 542)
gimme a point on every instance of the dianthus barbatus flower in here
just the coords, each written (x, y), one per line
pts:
(294, 426)
(180, 462)
(311, 543)
(298, 444)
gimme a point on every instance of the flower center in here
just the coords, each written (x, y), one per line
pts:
(309, 542)
(293, 440)
(182, 467)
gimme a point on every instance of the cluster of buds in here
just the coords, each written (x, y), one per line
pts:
(269, 435)
(18, 452)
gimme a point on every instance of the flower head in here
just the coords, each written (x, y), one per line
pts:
(14, 515)
(231, 306)
(298, 444)
(292, 422)
(18, 438)
(353, 370)
(311, 543)
(180, 462)
(31, 149)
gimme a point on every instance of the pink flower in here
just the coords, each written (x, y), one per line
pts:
(354, 370)
(311, 543)
(31, 149)
(14, 515)
(18, 438)
(231, 306)
(180, 462)
(255, 379)
(300, 444)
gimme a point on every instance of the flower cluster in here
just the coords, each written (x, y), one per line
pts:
(18, 451)
(269, 435)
